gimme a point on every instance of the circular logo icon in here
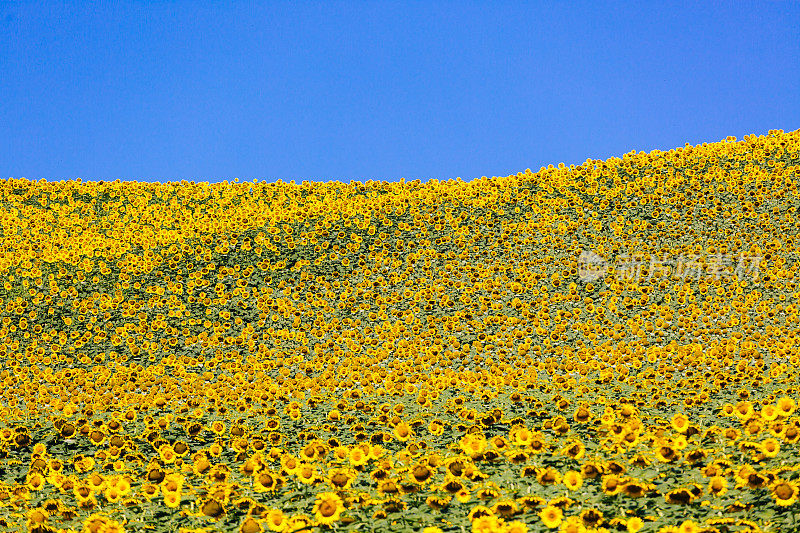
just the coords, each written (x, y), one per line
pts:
(591, 266)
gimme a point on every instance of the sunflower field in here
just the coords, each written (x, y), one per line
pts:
(607, 347)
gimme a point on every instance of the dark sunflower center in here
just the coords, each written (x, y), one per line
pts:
(327, 509)
(784, 491)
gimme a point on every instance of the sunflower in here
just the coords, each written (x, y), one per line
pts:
(630, 438)
(521, 436)
(215, 450)
(479, 511)
(250, 525)
(112, 494)
(591, 470)
(53, 506)
(634, 488)
(689, 526)
(96, 482)
(591, 518)
(341, 478)
(57, 479)
(67, 430)
(785, 492)
(276, 520)
(744, 410)
(769, 413)
(531, 503)
(791, 434)
(452, 486)
(505, 508)
(516, 527)
(634, 524)
(551, 516)
(696, 456)
(499, 443)
(265, 481)
(420, 473)
(611, 484)
(473, 444)
(218, 427)
(172, 499)
(516, 457)
(770, 447)
(679, 496)
(88, 503)
(172, 482)
(403, 431)
(487, 524)
(582, 414)
(309, 452)
(786, 406)
(488, 493)
(306, 474)
(680, 422)
(328, 508)
(95, 522)
(341, 453)
(97, 437)
(290, 463)
(437, 503)
(180, 448)
(572, 524)
(757, 480)
(538, 443)
(548, 476)
(667, 454)
(82, 492)
(376, 451)
(562, 502)
(575, 449)
(37, 517)
(201, 465)
(358, 457)
(572, 480)
(55, 465)
(212, 508)
(388, 486)
(35, 481)
(718, 485)
(680, 442)
(436, 428)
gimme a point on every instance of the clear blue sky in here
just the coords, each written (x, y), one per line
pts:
(164, 91)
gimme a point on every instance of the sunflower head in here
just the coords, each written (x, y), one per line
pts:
(785, 492)
(680, 422)
(681, 496)
(786, 406)
(328, 508)
(718, 485)
(212, 508)
(551, 516)
(572, 480)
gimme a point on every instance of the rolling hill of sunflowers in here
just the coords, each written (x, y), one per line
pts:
(609, 347)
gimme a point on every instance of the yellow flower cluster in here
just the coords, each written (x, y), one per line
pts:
(595, 348)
